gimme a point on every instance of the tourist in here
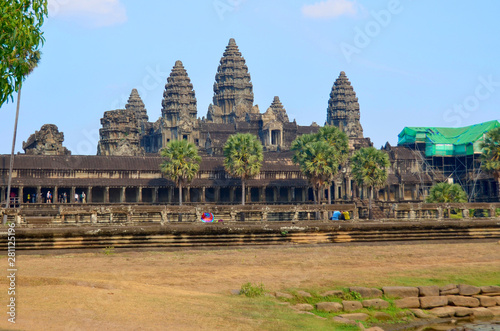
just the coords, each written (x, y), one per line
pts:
(76, 197)
(84, 198)
(28, 198)
(49, 197)
(65, 198)
(335, 216)
(33, 198)
(346, 215)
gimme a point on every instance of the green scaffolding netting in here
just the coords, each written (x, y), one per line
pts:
(447, 141)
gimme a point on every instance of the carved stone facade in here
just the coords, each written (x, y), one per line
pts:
(47, 141)
(119, 134)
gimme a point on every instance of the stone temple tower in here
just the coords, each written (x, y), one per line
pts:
(136, 105)
(179, 112)
(233, 90)
(343, 108)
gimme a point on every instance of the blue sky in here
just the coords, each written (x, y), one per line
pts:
(411, 63)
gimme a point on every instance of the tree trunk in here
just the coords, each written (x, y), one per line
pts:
(180, 193)
(370, 197)
(11, 165)
(242, 191)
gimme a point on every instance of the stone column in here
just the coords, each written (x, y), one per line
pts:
(122, 195)
(3, 193)
(262, 194)
(203, 199)
(89, 194)
(21, 194)
(217, 194)
(139, 194)
(291, 194)
(248, 194)
(275, 194)
(155, 195)
(106, 194)
(39, 194)
(188, 194)
(71, 197)
(170, 194)
(231, 194)
(304, 191)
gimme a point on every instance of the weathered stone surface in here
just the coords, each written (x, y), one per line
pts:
(431, 302)
(356, 316)
(411, 302)
(376, 304)
(482, 312)
(374, 328)
(458, 300)
(443, 311)
(381, 316)
(490, 289)
(351, 305)
(281, 295)
(428, 291)
(463, 311)
(47, 141)
(448, 289)
(468, 289)
(329, 306)
(135, 104)
(367, 292)
(343, 320)
(120, 134)
(334, 293)
(400, 291)
(304, 294)
(421, 314)
(495, 310)
(303, 307)
(485, 301)
(343, 108)
(498, 300)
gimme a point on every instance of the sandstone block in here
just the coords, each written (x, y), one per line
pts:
(498, 300)
(367, 292)
(428, 291)
(485, 301)
(421, 314)
(495, 310)
(376, 304)
(411, 302)
(457, 300)
(448, 289)
(431, 302)
(329, 306)
(334, 293)
(482, 312)
(382, 316)
(462, 311)
(443, 311)
(304, 294)
(400, 291)
(351, 305)
(343, 320)
(281, 295)
(303, 307)
(468, 289)
(490, 289)
(356, 316)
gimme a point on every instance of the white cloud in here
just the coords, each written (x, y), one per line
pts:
(331, 9)
(90, 13)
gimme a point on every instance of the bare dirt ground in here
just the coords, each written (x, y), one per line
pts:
(190, 289)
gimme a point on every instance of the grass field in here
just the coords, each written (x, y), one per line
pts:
(190, 289)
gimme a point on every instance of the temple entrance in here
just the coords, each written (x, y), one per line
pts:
(147, 195)
(114, 195)
(97, 195)
(210, 194)
(254, 194)
(29, 195)
(270, 195)
(130, 194)
(163, 195)
(225, 195)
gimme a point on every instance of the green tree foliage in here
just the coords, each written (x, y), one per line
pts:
(369, 168)
(20, 38)
(243, 158)
(181, 163)
(320, 155)
(491, 155)
(446, 192)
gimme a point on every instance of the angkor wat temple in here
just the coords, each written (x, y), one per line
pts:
(126, 168)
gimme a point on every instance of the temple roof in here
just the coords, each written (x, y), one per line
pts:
(135, 103)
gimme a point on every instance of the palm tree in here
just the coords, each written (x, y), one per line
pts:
(243, 158)
(491, 155)
(32, 61)
(446, 192)
(181, 163)
(369, 167)
(319, 157)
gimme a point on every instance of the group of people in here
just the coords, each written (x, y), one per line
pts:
(62, 198)
(340, 216)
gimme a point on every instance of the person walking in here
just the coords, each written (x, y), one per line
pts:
(76, 197)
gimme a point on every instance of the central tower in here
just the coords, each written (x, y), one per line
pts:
(233, 90)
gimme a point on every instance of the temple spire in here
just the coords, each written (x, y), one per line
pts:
(233, 89)
(343, 108)
(135, 104)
